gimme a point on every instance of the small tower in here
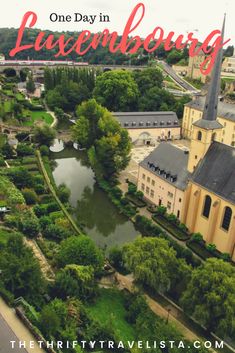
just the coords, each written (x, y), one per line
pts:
(207, 129)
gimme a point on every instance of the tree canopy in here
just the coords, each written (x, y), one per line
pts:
(154, 263)
(210, 296)
(80, 250)
(117, 91)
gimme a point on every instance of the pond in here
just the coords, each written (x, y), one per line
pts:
(92, 207)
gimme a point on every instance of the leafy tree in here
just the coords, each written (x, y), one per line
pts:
(53, 231)
(117, 91)
(20, 270)
(49, 321)
(148, 78)
(116, 257)
(29, 225)
(210, 296)
(30, 196)
(75, 280)
(44, 150)
(154, 263)
(63, 193)
(80, 250)
(30, 85)
(21, 177)
(8, 151)
(44, 221)
(86, 131)
(24, 149)
(44, 135)
(23, 74)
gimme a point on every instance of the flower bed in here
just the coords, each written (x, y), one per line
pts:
(135, 200)
(171, 227)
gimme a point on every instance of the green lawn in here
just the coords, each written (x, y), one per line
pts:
(39, 116)
(109, 309)
(20, 97)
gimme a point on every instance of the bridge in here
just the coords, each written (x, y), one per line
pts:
(38, 68)
(11, 129)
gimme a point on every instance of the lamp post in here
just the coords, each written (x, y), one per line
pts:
(168, 314)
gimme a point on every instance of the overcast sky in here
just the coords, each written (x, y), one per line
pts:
(177, 15)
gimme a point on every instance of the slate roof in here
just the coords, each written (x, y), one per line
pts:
(140, 120)
(225, 110)
(216, 171)
(169, 163)
(208, 124)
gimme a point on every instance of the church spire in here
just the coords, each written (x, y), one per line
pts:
(211, 104)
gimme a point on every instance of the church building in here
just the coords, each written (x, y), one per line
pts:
(207, 192)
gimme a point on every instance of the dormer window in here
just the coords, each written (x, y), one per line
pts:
(141, 123)
(126, 124)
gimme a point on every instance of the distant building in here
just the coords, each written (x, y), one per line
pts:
(193, 111)
(194, 64)
(147, 128)
(228, 65)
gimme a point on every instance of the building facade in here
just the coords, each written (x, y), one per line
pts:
(148, 128)
(225, 116)
(199, 186)
(163, 176)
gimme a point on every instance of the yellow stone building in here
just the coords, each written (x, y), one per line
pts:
(194, 64)
(225, 116)
(199, 187)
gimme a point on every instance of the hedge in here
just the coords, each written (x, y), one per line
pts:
(171, 227)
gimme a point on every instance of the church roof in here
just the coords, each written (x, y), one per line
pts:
(208, 124)
(216, 171)
(169, 163)
(225, 110)
(141, 120)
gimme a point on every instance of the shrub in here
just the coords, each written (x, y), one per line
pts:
(30, 196)
(44, 150)
(40, 189)
(225, 257)
(30, 226)
(132, 188)
(211, 247)
(53, 231)
(44, 222)
(24, 150)
(40, 210)
(139, 194)
(161, 210)
(53, 206)
(197, 237)
(115, 257)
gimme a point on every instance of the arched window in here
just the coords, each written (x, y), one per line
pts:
(199, 135)
(207, 206)
(227, 218)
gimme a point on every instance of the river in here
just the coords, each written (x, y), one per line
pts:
(92, 208)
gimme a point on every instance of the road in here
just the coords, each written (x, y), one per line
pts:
(185, 85)
(12, 329)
